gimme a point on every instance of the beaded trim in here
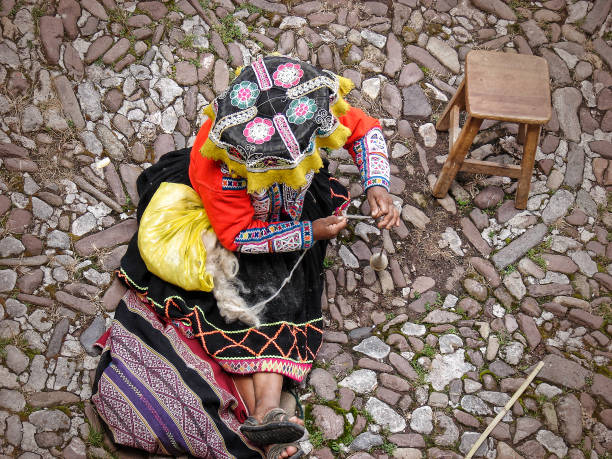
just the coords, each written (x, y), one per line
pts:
(262, 75)
(231, 120)
(311, 85)
(286, 134)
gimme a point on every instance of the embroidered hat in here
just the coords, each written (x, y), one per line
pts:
(269, 124)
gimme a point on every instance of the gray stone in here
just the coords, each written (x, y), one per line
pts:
(563, 372)
(376, 39)
(58, 239)
(569, 412)
(566, 102)
(84, 224)
(91, 335)
(440, 316)
(384, 415)
(552, 442)
(9, 246)
(392, 100)
(112, 145)
(450, 431)
(90, 100)
(373, 347)
(535, 35)
(8, 57)
(585, 263)
(8, 380)
(349, 260)
(14, 432)
(444, 53)
(513, 353)
(324, 384)
(575, 166)
(50, 420)
(467, 441)
(558, 205)
(57, 337)
(169, 90)
(360, 381)
(411, 329)
(12, 400)
(365, 441)
(41, 209)
(497, 7)
(520, 246)
(15, 359)
(415, 216)
(31, 119)
(474, 405)
(445, 368)
(328, 421)
(449, 343)
(76, 449)
(14, 308)
(416, 105)
(8, 278)
(410, 75)
(68, 100)
(525, 427)
(422, 420)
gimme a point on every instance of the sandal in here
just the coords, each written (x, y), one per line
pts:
(275, 428)
(275, 451)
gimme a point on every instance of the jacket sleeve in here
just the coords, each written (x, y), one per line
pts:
(368, 148)
(231, 212)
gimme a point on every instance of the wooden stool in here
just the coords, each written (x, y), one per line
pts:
(497, 86)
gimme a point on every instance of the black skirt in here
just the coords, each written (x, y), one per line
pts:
(291, 331)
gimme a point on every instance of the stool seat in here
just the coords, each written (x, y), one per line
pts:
(507, 87)
(498, 86)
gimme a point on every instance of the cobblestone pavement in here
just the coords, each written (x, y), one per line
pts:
(417, 359)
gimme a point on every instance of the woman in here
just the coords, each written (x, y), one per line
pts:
(266, 192)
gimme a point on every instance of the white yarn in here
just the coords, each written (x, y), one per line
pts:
(223, 266)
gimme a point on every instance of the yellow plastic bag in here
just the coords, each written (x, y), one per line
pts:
(170, 237)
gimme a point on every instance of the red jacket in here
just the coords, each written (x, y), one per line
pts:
(253, 223)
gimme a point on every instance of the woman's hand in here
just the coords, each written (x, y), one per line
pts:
(381, 205)
(328, 227)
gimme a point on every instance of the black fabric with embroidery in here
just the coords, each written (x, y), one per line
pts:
(261, 89)
(290, 336)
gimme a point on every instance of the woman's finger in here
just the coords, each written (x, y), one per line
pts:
(383, 202)
(396, 215)
(386, 221)
(374, 210)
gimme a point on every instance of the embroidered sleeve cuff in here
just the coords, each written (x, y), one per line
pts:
(376, 181)
(276, 237)
(372, 159)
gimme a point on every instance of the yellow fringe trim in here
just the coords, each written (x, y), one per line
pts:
(346, 85)
(295, 177)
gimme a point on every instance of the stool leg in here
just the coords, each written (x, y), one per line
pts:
(456, 156)
(522, 131)
(457, 100)
(529, 150)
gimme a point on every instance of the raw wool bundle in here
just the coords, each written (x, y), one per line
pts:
(223, 265)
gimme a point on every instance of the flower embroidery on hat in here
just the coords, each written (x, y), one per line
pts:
(301, 110)
(287, 75)
(259, 130)
(244, 94)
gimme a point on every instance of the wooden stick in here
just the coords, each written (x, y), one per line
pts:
(504, 410)
(358, 217)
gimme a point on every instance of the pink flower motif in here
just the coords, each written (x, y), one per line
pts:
(244, 94)
(259, 130)
(288, 75)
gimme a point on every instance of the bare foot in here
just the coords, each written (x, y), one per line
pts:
(296, 420)
(287, 452)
